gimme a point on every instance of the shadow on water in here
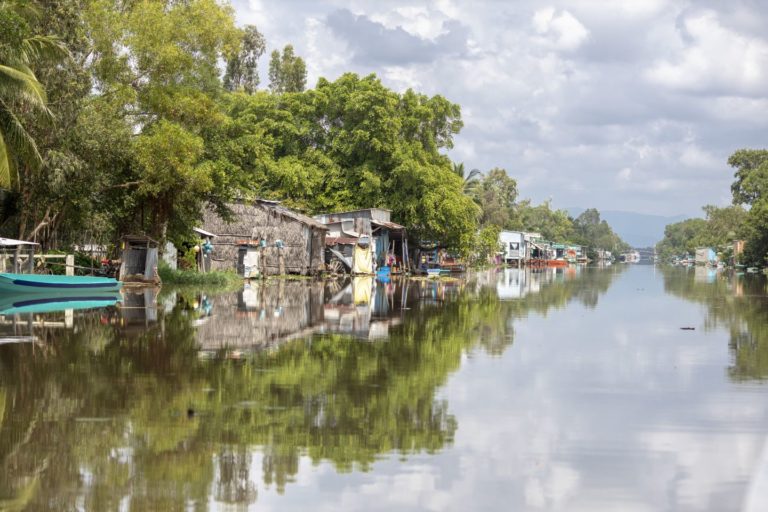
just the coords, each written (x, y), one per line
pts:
(172, 402)
(735, 302)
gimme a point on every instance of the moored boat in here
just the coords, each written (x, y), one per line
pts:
(34, 283)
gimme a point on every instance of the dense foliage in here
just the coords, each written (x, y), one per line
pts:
(750, 189)
(718, 230)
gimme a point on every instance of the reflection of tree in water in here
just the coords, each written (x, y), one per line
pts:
(738, 303)
(111, 413)
(233, 483)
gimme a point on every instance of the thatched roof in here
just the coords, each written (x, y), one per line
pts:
(282, 210)
(243, 214)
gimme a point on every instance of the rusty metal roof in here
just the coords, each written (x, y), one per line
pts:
(388, 225)
(343, 240)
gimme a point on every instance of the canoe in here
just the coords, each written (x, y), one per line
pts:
(34, 283)
(37, 303)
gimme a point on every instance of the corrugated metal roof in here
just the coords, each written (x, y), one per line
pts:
(388, 225)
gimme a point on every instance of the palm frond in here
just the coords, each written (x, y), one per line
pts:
(473, 175)
(36, 48)
(5, 165)
(25, 80)
(19, 145)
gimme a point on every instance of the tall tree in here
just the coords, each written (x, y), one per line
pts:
(287, 72)
(495, 194)
(242, 67)
(157, 62)
(751, 188)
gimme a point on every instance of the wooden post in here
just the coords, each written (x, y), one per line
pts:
(280, 261)
(70, 265)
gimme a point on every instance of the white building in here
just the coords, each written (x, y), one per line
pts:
(512, 247)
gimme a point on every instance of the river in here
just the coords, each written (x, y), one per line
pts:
(571, 389)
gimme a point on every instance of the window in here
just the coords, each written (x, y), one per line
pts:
(514, 246)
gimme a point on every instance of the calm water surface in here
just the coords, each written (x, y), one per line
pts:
(570, 390)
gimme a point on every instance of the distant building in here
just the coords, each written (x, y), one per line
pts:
(706, 256)
(513, 249)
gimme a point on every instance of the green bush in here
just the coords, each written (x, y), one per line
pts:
(193, 277)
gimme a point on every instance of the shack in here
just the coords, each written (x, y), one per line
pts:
(356, 228)
(139, 259)
(290, 243)
(706, 256)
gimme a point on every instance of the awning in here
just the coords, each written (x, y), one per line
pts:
(203, 232)
(389, 225)
(10, 242)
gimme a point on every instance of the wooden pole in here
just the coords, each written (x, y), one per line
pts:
(70, 262)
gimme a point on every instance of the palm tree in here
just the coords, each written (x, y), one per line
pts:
(20, 91)
(471, 180)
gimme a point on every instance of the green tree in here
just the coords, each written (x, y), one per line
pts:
(242, 67)
(168, 157)
(681, 238)
(156, 67)
(495, 195)
(751, 188)
(594, 233)
(487, 243)
(351, 143)
(287, 72)
(553, 225)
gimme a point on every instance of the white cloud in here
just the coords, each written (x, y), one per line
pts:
(717, 60)
(562, 31)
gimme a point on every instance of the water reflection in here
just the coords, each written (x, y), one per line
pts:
(189, 399)
(735, 302)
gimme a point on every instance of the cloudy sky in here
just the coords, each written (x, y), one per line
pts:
(628, 105)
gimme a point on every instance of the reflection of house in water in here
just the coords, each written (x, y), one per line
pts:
(704, 274)
(516, 283)
(261, 315)
(363, 308)
(139, 309)
(511, 284)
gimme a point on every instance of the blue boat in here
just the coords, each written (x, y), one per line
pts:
(38, 303)
(34, 283)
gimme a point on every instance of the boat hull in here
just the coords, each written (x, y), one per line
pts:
(33, 283)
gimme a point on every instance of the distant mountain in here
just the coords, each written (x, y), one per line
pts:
(637, 229)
